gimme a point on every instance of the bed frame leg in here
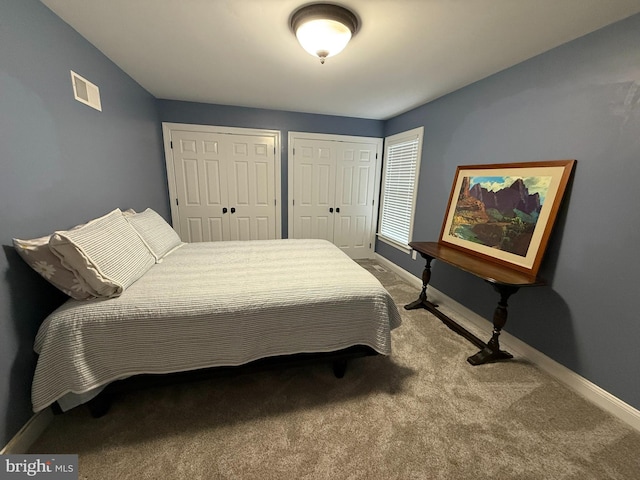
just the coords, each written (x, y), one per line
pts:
(99, 406)
(339, 368)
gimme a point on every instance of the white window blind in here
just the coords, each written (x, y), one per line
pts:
(399, 187)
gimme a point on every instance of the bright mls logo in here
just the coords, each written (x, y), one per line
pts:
(51, 467)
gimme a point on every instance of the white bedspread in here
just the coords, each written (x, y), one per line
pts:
(214, 304)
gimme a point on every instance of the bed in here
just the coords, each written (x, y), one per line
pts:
(206, 305)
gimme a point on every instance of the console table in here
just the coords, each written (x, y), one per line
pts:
(506, 281)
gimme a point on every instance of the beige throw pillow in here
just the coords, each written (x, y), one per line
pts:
(38, 256)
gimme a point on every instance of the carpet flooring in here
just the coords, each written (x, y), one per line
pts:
(422, 413)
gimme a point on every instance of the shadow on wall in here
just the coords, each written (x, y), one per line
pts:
(32, 298)
(538, 316)
(552, 253)
(547, 322)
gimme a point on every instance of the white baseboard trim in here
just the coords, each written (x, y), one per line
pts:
(484, 328)
(29, 433)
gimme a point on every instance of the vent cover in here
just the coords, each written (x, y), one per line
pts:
(85, 92)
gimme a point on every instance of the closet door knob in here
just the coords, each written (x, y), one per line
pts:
(338, 210)
(224, 210)
(331, 210)
(233, 209)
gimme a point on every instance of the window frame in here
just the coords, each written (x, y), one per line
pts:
(417, 135)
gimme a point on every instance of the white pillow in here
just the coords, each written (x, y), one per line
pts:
(155, 232)
(106, 254)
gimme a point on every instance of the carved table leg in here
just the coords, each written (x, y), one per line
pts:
(492, 351)
(422, 302)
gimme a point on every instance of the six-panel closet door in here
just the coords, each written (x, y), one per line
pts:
(224, 186)
(334, 192)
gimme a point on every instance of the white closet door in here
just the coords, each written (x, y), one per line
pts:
(333, 191)
(314, 164)
(201, 186)
(251, 172)
(224, 186)
(355, 189)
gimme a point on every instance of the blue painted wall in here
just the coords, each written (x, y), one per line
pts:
(581, 101)
(61, 163)
(229, 116)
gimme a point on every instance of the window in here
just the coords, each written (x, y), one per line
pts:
(402, 153)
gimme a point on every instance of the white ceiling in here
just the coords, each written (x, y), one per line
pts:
(407, 52)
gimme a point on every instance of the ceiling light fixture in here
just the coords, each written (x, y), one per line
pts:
(324, 29)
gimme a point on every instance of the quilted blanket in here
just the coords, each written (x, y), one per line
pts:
(214, 304)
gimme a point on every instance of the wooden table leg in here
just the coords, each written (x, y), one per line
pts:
(492, 351)
(422, 302)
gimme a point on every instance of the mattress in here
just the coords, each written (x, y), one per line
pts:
(213, 304)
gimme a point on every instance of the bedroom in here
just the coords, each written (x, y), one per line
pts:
(579, 100)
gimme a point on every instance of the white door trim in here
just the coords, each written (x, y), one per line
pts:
(335, 138)
(168, 127)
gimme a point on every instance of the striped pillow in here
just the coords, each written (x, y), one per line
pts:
(106, 255)
(155, 232)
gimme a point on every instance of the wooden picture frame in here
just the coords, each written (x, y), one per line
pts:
(504, 213)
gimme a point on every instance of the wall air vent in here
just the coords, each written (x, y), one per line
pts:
(85, 92)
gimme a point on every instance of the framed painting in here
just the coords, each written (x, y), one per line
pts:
(504, 213)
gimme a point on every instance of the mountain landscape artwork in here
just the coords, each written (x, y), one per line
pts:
(504, 212)
(499, 212)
